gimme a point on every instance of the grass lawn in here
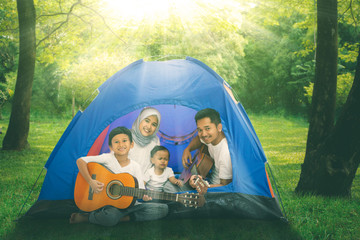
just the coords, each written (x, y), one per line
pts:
(283, 140)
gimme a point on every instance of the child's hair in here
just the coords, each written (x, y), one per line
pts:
(210, 113)
(120, 130)
(158, 148)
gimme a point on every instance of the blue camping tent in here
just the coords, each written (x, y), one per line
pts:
(178, 89)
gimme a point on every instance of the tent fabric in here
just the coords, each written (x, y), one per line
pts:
(178, 89)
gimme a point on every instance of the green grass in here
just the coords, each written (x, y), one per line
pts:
(283, 139)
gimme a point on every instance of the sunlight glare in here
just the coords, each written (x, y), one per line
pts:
(128, 14)
(150, 10)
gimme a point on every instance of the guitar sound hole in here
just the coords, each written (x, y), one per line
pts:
(113, 189)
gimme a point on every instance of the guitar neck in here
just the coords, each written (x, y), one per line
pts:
(139, 193)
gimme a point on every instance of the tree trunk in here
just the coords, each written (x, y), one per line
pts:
(314, 170)
(331, 167)
(324, 94)
(18, 129)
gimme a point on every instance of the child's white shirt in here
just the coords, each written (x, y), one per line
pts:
(157, 182)
(109, 161)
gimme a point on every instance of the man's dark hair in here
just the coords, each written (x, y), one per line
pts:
(158, 148)
(119, 130)
(210, 113)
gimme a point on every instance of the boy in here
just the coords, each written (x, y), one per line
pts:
(156, 176)
(210, 133)
(117, 161)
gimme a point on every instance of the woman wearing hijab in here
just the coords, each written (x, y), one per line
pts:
(144, 130)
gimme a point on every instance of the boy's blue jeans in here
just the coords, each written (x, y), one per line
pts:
(110, 216)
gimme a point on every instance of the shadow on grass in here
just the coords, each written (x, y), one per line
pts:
(162, 229)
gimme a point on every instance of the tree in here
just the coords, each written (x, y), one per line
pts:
(332, 152)
(18, 128)
(324, 95)
(17, 133)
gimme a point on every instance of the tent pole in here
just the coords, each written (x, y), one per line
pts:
(29, 194)
(277, 190)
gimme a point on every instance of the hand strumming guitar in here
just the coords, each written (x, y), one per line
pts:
(96, 186)
(186, 158)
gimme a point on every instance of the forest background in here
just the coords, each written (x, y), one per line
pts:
(264, 49)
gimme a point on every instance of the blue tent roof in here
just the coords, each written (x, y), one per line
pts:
(178, 89)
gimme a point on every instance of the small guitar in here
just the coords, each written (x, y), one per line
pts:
(203, 163)
(120, 191)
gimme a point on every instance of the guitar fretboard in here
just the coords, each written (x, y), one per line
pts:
(139, 193)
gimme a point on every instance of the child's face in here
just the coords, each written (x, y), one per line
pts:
(121, 144)
(208, 131)
(160, 159)
(148, 126)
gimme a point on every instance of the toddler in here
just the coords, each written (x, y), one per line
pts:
(156, 176)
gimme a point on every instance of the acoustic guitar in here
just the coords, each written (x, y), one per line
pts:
(121, 191)
(201, 161)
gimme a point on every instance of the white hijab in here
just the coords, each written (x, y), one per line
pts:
(137, 136)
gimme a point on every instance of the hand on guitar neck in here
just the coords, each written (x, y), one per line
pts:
(197, 182)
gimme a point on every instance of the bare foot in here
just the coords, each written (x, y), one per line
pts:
(125, 219)
(79, 218)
